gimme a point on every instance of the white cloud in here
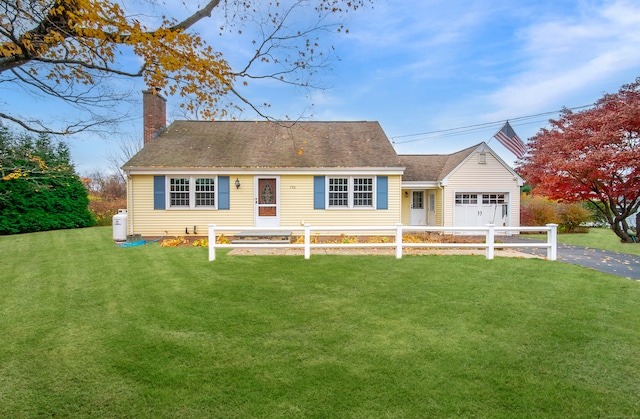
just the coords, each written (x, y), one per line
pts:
(564, 57)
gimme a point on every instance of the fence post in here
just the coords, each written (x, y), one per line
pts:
(307, 241)
(212, 242)
(398, 241)
(491, 242)
(552, 241)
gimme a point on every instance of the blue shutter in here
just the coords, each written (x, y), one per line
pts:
(159, 187)
(223, 193)
(382, 193)
(318, 192)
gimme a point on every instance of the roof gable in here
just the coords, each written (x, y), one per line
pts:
(432, 167)
(248, 144)
(484, 148)
(439, 167)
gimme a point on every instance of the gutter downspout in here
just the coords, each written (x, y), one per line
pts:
(129, 203)
(442, 200)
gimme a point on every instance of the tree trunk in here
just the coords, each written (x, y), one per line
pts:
(621, 232)
(616, 222)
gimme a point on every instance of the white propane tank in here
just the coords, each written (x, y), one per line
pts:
(120, 226)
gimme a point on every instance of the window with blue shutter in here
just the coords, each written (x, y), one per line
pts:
(191, 192)
(159, 189)
(350, 192)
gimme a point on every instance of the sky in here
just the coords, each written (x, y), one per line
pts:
(439, 76)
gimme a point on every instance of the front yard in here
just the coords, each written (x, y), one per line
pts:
(600, 238)
(90, 329)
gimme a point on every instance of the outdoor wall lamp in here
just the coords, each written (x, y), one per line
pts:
(406, 194)
(237, 183)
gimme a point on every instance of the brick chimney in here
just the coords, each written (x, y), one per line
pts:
(155, 114)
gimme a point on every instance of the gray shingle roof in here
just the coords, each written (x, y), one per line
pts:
(245, 144)
(432, 167)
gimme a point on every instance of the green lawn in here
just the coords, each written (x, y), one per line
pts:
(600, 238)
(92, 330)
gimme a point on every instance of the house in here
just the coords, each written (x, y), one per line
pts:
(267, 174)
(472, 187)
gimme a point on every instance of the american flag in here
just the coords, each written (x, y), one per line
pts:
(508, 138)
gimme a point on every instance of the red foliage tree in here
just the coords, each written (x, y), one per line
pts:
(592, 155)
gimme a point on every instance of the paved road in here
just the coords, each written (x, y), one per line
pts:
(621, 264)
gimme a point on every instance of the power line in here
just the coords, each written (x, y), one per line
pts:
(433, 135)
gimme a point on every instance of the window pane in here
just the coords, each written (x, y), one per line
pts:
(417, 200)
(338, 192)
(179, 192)
(466, 199)
(493, 198)
(205, 192)
(362, 192)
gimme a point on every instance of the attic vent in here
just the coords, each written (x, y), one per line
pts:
(482, 158)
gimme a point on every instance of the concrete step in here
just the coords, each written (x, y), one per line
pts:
(261, 237)
(257, 241)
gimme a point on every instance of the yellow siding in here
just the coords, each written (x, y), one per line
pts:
(406, 207)
(476, 177)
(144, 220)
(296, 208)
(439, 213)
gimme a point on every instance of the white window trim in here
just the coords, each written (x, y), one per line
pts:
(192, 192)
(351, 206)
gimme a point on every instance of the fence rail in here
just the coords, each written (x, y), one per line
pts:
(489, 231)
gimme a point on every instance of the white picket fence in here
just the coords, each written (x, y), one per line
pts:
(397, 231)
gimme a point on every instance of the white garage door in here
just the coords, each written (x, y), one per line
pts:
(479, 209)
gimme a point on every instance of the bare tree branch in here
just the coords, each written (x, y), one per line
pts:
(64, 49)
(38, 128)
(204, 12)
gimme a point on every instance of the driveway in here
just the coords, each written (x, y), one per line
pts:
(620, 264)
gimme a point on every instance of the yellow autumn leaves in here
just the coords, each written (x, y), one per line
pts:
(79, 40)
